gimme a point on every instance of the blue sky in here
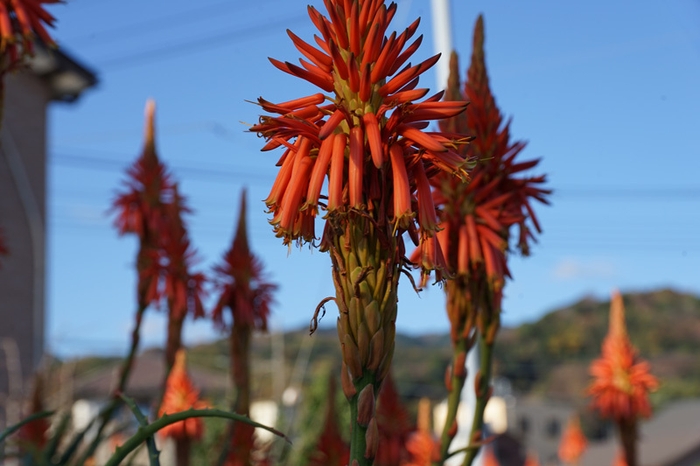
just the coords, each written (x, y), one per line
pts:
(604, 91)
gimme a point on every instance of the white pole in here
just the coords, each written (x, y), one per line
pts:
(442, 35)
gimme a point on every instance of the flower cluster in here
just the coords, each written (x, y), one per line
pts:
(242, 283)
(180, 395)
(573, 443)
(364, 135)
(20, 22)
(152, 208)
(621, 380)
(477, 216)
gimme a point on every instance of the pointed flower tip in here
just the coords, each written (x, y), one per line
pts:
(150, 123)
(617, 315)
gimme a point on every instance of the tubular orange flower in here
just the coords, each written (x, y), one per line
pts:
(621, 380)
(20, 22)
(32, 435)
(573, 443)
(368, 106)
(363, 133)
(180, 395)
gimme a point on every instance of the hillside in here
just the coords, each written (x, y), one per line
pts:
(549, 356)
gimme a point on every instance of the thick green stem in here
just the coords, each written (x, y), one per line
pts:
(366, 266)
(483, 393)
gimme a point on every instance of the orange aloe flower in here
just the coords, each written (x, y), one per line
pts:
(621, 380)
(180, 395)
(475, 223)
(490, 457)
(362, 138)
(532, 460)
(20, 22)
(477, 216)
(422, 446)
(573, 442)
(619, 459)
(364, 132)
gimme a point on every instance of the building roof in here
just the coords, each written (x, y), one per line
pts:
(146, 379)
(666, 438)
(65, 76)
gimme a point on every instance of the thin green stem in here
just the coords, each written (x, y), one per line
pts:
(482, 397)
(153, 453)
(358, 434)
(453, 399)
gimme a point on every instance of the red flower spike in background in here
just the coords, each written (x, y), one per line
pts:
(20, 22)
(423, 449)
(363, 133)
(490, 457)
(573, 443)
(621, 381)
(32, 435)
(474, 229)
(532, 460)
(394, 425)
(180, 395)
(246, 293)
(242, 283)
(331, 449)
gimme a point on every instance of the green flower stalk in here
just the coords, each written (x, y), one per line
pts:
(362, 138)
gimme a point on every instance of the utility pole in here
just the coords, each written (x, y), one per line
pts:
(442, 38)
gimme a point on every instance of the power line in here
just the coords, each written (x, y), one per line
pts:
(159, 23)
(210, 42)
(223, 175)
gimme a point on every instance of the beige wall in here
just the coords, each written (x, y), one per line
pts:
(23, 220)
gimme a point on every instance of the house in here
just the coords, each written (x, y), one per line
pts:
(51, 76)
(670, 438)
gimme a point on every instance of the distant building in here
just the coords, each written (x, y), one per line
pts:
(51, 76)
(670, 438)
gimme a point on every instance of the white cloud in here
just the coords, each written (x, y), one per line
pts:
(576, 269)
